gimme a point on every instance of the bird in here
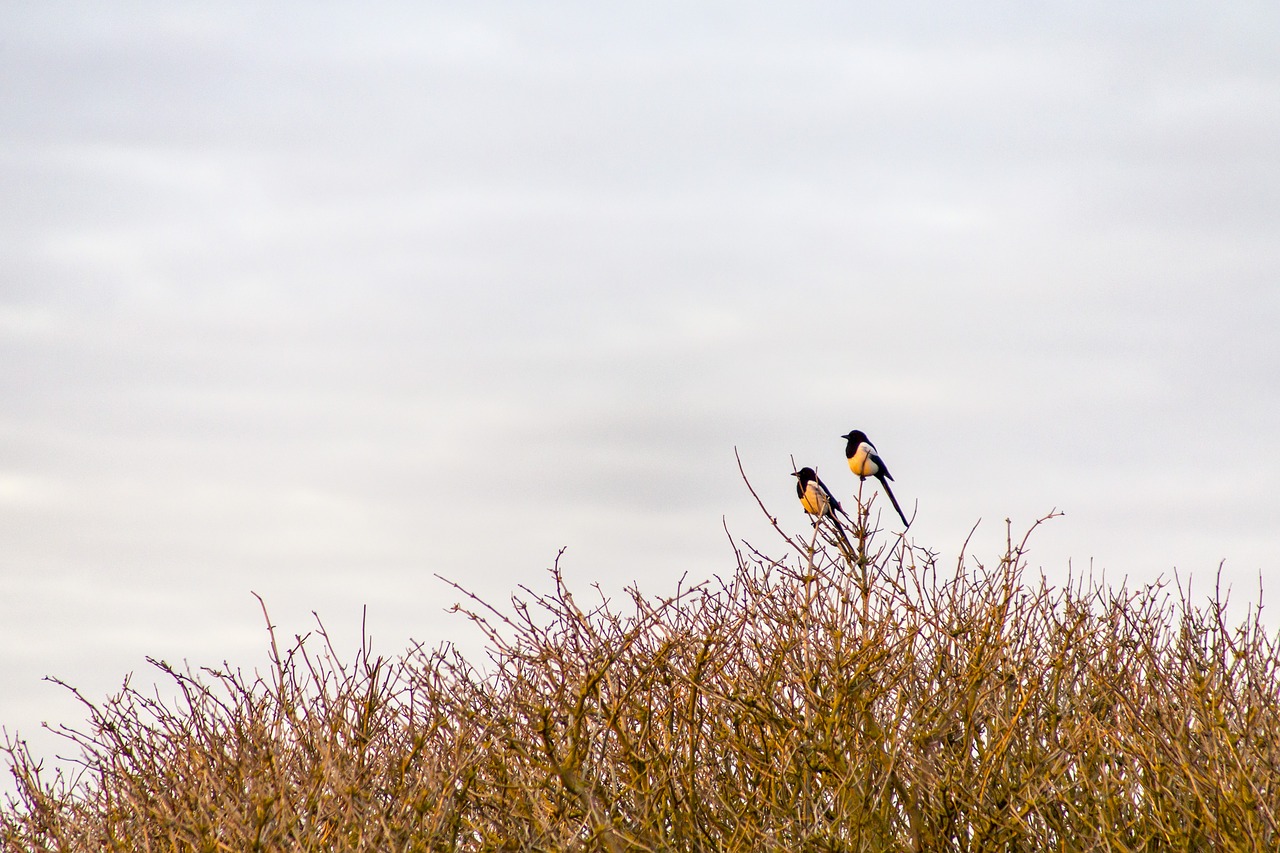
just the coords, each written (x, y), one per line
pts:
(866, 462)
(817, 499)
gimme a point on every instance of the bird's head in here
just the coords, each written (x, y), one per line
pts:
(805, 474)
(855, 436)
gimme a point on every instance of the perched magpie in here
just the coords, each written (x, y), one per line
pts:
(817, 499)
(865, 462)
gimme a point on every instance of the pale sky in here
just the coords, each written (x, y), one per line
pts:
(319, 300)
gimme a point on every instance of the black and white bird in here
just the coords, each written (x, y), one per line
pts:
(866, 462)
(817, 499)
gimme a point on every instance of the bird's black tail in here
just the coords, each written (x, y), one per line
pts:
(888, 491)
(840, 529)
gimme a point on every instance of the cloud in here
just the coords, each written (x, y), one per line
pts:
(320, 302)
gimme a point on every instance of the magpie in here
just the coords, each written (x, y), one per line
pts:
(817, 499)
(865, 462)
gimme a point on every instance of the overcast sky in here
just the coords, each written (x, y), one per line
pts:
(319, 300)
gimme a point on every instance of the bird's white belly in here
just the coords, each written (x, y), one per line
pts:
(814, 502)
(860, 463)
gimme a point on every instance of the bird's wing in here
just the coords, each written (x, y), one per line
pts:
(831, 499)
(879, 463)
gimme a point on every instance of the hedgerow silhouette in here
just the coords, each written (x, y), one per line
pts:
(829, 699)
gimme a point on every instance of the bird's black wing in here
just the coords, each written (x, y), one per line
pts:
(879, 463)
(831, 499)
